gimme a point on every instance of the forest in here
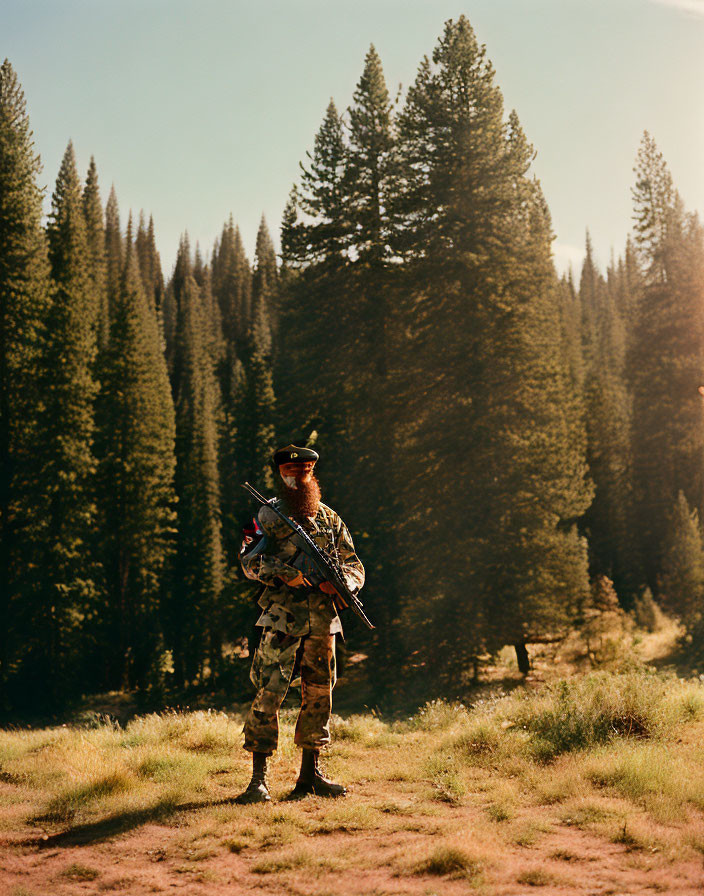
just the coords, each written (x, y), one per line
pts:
(507, 445)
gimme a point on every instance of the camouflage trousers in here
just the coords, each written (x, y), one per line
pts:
(275, 663)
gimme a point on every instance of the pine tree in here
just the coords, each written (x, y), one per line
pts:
(609, 520)
(265, 276)
(95, 237)
(682, 579)
(24, 296)
(322, 195)
(194, 611)
(215, 343)
(135, 476)
(666, 359)
(368, 347)
(232, 285)
(257, 416)
(63, 588)
(149, 262)
(114, 250)
(315, 237)
(494, 442)
(369, 170)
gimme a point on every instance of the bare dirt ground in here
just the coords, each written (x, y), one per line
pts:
(374, 841)
(156, 858)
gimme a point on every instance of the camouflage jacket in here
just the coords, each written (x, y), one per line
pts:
(298, 610)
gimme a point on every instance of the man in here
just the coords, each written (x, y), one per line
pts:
(299, 623)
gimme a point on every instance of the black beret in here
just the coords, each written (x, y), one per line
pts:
(291, 454)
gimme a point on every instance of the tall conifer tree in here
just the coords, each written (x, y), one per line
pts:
(95, 238)
(149, 262)
(194, 612)
(609, 520)
(315, 240)
(257, 418)
(493, 438)
(135, 476)
(24, 296)
(64, 588)
(114, 249)
(370, 339)
(666, 360)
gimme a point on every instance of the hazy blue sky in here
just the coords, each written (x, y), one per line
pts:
(195, 110)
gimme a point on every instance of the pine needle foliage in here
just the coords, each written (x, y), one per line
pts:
(135, 481)
(63, 590)
(193, 610)
(24, 297)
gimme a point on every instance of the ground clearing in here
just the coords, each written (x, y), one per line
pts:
(451, 801)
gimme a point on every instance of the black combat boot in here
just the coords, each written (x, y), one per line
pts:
(257, 791)
(312, 781)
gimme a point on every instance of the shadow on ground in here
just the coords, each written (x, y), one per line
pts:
(84, 834)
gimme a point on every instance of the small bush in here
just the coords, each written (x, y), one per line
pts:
(585, 815)
(447, 784)
(484, 737)
(447, 861)
(436, 715)
(585, 712)
(499, 812)
(158, 768)
(536, 878)
(79, 872)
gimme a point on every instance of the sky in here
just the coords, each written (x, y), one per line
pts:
(195, 111)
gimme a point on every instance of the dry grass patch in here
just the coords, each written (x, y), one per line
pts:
(537, 877)
(449, 861)
(348, 818)
(444, 774)
(66, 804)
(302, 859)
(576, 714)
(650, 775)
(80, 873)
(77, 774)
(527, 833)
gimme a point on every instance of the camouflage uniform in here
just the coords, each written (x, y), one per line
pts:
(299, 626)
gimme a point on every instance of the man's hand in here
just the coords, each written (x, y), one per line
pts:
(328, 588)
(337, 598)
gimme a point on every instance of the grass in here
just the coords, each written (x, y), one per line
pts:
(80, 873)
(536, 877)
(448, 793)
(579, 714)
(449, 862)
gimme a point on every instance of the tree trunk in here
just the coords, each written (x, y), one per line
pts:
(522, 657)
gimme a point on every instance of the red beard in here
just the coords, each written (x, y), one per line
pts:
(302, 501)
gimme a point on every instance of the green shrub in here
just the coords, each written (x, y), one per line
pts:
(577, 714)
(583, 712)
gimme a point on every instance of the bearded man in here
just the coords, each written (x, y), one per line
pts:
(299, 623)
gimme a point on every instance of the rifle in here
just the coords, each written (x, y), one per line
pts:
(329, 569)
